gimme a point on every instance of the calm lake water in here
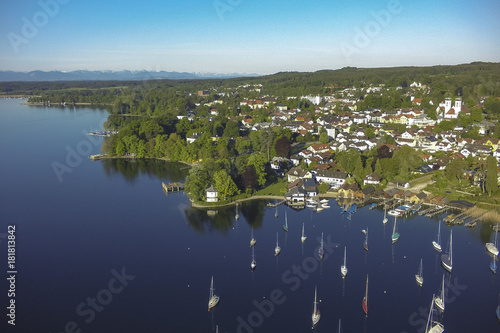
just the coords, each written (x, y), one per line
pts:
(101, 248)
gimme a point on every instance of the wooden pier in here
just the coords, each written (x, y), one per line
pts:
(276, 204)
(172, 187)
(97, 157)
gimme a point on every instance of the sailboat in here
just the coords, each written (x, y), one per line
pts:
(439, 300)
(277, 249)
(437, 245)
(492, 247)
(420, 276)
(321, 251)
(285, 226)
(343, 268)
(395, 234)
(365, 299)
(213, 300)
(253, 264)
(276, 213)
(498, 309)
(252, 241)
(236, 215)
(365, 244)
(303, 238)
(447, 259)
(316, 315)
(385, 220)
(432, 325)
(340, 328)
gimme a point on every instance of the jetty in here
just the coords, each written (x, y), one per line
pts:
(276, 204)
(172, 187)
(97, 157)
(103, 134)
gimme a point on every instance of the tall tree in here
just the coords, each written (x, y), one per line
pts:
(266, 139)
(257, 160)
(491, 181)
(283, 147)
(249, 177)
(224, 184)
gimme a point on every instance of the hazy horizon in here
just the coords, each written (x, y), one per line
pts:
(238, 36)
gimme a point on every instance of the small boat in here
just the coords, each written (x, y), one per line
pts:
(252, 240)
(325, 206)
(276, 213)
(420, 276)
(324, 201)
(437, 244)
(236, 215)
(303, 238)
(492, 247)
(498, 308)
(432, 325)
(363, 231)
(321, 251)
(285, 226)
(447, 259)
(253, 264)
(213, 300)
(316, 315)
(365, 299)
(385, 220)
(394, 212)
(319, 208)
(343, 268)
(277, 249)
(365, 243)
(395, 234)
(440, 300)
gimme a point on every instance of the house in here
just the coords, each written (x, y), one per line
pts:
(398, 184)
(417, 198)
(296, 195)
(212, 194)
(310, 187)
(333, 178)
(298, 173)
(348, 191)
(319, 148)
(193, 138)
(365, 194)
(372, 179)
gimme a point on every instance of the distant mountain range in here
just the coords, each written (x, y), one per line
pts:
(84, 75)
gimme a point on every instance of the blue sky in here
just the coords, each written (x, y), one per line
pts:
(245, 36)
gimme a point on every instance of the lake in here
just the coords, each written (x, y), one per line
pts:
(101, 248)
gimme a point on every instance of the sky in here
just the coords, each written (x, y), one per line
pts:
(245, 36)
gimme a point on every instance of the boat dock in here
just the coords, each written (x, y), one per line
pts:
(172, 187)
(276, 204)
(97, 157)
(103, 134)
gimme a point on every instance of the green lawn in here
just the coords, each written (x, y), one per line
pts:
(273, 189)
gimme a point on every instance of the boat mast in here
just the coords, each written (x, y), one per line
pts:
(451, 249)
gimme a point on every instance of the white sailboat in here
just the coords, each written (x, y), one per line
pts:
(385, 220)
(303, 238)
(420, 276)
(437, 244)
(340, 328)
(343, 268)
(276, 213)
(277, 249)
(433, 326)
(213, 300)
(321, 251)
(395, 234)
(252, 241)
(439, 300)
(316, 315)
(253, 264)
(365, 299)
(236, 215)
(447, 259)
(492, 247)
